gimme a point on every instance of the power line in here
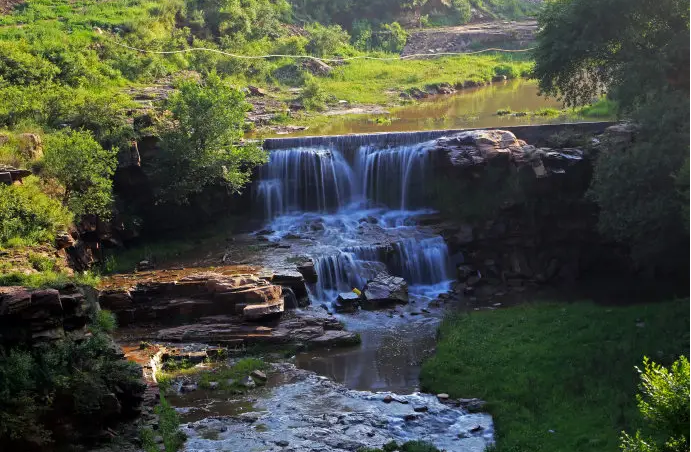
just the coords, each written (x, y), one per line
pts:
(310, 57)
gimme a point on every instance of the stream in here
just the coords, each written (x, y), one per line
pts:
(353, 211)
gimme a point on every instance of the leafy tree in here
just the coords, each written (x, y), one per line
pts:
(326, 40)
(84, 169)
(200, 146)
(630, 49)
(636, 52)
(27, 215)
(664, 404)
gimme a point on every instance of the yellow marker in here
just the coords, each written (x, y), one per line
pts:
(357, 292)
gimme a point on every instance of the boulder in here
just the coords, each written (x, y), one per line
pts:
(317, 67)
(255, 91)
(308, 272)
(347, 302)
(479, 147)
(383, 291)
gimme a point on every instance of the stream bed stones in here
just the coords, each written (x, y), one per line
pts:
(305, 412)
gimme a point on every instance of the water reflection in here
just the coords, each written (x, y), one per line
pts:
(469, 108)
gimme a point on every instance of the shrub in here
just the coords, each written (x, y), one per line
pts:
(84, 169)
(53, 385)
(313, 96)
(19, 67)
(508, 70)
(394, 39)
(664, 404)
(326, 40)
(29, 216)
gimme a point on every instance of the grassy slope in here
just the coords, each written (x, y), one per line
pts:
(565, 368)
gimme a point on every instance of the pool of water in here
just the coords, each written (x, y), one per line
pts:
(468, 108)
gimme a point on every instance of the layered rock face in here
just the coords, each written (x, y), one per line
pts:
(165, 298)
(515, 214)
(31, 317)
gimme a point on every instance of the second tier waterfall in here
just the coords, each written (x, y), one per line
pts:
(357, 208)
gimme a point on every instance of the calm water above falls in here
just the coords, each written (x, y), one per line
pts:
(468, 108)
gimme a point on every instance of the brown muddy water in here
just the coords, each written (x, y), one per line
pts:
(470, 108)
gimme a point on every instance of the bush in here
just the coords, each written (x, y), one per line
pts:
(394, 38)
(324, 41)
(19, 67)
(84, 169)
(313, 96)
(28, 216)
(52, 386)
(508, 70)
(664, 404)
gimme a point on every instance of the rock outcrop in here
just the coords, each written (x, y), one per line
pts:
(171, 296)
(29, 317)
(515, 214)
(230, 331)
(10, 174)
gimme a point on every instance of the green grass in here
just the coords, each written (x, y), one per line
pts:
(557, 377)
(410, 446)
(603, 108)
(203, 376)
(168, 429)
(48, 279)
(384, 80)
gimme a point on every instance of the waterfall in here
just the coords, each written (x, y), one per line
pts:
(357, 206)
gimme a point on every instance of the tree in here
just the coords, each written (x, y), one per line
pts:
(636, 52)
(200, 146)
(664, 404)
(84, 169)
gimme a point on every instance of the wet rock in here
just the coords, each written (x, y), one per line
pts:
(383, 291)
(213, 385)
(443, 397)
(347, 302)
(421, 409)
(476, 429)
(388, 398)
(472, 405)
(308, 272)
(410, 417)
(335, 339)
(282, 443)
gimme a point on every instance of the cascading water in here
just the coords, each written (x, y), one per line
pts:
(360, 208)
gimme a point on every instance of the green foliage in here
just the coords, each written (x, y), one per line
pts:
(627, 48)
(200, 148)
(84, 169)
(556, 377)
(313, 96)
(69, 381)
(638, 53)
(105, 321)
(169, 426)
(508, 70)
(48, 279)
(19, 67)
(410, 446)
(28, 216)
(326, 40)
(664, 404)
(636, 186)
